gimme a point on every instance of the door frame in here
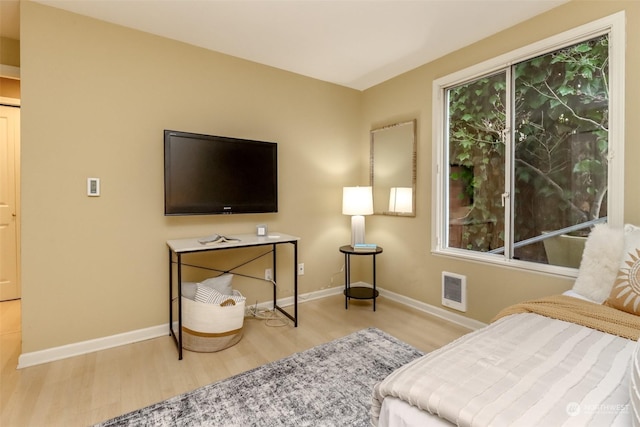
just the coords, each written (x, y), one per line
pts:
(15, 102)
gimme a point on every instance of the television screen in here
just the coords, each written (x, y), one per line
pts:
(206, 174)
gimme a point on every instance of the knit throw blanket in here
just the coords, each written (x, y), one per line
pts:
(585, 313)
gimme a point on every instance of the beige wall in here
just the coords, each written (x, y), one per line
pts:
(96, 98)
(408, 266)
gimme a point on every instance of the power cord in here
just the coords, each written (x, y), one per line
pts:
(271, 317)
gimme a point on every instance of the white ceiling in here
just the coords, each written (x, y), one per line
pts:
(353, 43)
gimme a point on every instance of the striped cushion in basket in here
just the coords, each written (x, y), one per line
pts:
(210, 296)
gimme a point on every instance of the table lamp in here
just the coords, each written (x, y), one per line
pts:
(357, 202)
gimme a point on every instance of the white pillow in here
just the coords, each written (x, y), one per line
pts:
(220, 283)
(189, 290)
(574, 294)
(600, 262)
(210, 296)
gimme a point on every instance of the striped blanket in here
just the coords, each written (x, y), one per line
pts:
(522, 370)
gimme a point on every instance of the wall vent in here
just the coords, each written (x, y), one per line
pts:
(454, 291)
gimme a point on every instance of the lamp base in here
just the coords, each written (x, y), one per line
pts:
(357, 230)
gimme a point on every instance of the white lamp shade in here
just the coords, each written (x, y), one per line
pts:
(401, 199)
(357, 201)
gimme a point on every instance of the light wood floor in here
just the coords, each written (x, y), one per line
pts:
(87, 389)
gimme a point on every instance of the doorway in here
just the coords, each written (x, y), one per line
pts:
(10, 288)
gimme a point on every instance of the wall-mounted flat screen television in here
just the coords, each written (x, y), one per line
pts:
(207, 175)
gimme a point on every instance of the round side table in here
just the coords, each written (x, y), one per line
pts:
(358, 292)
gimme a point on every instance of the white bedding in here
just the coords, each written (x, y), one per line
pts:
(398, 413)
(523, 370)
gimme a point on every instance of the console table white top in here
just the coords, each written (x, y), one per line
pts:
(192, 245)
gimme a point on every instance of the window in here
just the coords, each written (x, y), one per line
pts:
(529, 150)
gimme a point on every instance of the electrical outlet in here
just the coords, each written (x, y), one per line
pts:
(267, 274)
(301, 269)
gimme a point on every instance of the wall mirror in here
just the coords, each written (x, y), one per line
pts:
(393, 169)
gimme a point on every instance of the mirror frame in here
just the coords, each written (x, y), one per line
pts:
(411, 159)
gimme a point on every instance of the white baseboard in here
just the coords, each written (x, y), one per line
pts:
(287, 302)
(418, 305)
(433, 310)
(84, 347)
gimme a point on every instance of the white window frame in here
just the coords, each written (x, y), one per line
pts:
(614, 25)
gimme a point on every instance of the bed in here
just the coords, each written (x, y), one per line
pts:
(568, 360)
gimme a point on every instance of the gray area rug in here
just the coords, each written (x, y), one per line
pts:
(328, 385)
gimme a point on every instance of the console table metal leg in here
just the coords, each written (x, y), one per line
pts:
(177, 335)
(275, 275)
(295, 283)
(179, 297)
(171, 294)
(294, 317)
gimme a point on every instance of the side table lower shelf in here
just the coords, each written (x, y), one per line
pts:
(361, 292)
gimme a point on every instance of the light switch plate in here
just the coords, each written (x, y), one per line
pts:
(93, 187)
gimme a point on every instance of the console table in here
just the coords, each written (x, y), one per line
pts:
(358, 292)
(178, 248)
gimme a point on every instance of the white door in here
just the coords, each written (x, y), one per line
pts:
(9, 161)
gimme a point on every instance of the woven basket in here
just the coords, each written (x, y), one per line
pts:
(210, 327)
